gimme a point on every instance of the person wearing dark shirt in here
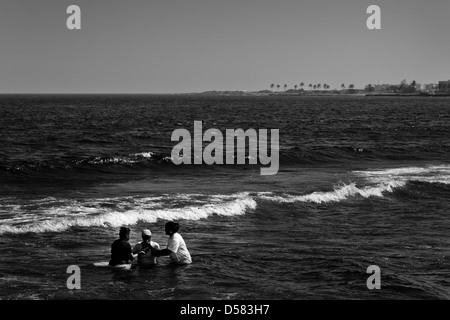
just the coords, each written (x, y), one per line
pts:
(121, 252)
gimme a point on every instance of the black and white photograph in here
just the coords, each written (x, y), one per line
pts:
(239, 151)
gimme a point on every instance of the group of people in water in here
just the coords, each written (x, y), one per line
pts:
(147, 251)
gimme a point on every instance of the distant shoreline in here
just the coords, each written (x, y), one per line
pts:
(314, 94)
(407, 95)
(243, 94)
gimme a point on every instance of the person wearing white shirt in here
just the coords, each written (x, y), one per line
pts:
(176, 247)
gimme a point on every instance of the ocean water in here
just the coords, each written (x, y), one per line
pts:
(362, 181)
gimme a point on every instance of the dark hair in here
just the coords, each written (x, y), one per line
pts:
(124, 233)
(173, 226)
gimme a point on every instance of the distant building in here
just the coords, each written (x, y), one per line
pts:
(382, 87)
(444, 86)
(429, 87)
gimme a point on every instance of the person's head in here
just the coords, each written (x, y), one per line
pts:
(146, 235)
(171, 227)
(124, 233)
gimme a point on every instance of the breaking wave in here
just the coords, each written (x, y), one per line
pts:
(119, 212)
(377, 184)
(429, 174)
(56, 215)
(338, 194)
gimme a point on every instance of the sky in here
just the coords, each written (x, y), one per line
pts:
(178, 46)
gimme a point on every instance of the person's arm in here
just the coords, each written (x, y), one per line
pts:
(172, 246)
(137, 250)
(159, 253)
(130, 253)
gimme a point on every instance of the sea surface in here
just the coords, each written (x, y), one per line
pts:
(362, 181)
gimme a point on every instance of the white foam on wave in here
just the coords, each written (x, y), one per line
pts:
(151, 155)
(130, 159)
(338, 194)
(65, 217)
(429, 174)
(380, 182)
(112, 160)
(147, 155)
